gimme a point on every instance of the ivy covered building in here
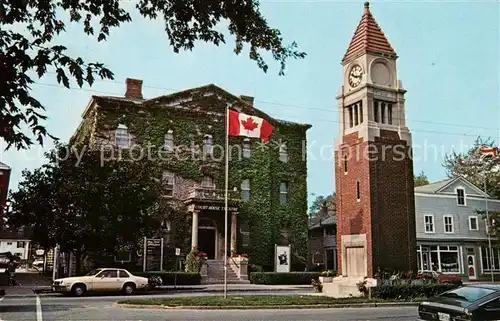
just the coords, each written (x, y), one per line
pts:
(186, 131)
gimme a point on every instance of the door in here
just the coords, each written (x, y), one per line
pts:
(355, 261)
(107, 280)
(471, 267)
(206, 242)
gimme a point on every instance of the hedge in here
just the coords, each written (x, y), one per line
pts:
(183, 278)
(410, 291)
(274, 278)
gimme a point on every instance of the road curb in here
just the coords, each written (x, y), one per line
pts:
(198, 290)
(268, 307)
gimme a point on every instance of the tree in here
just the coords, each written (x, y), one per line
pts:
(323, 206)
(475, 168)
(88, 206)
(29, 30)
(420, 179)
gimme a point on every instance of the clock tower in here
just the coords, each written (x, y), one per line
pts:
(373, 165)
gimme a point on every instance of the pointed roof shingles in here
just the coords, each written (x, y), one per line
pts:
(368, 38)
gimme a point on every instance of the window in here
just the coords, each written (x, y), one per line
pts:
(345, 164)
(247, 149)
(283, 153)
(168, 180)
(442, 258)
(429, 223)
(169, 141)
(389, 114)
(375, 111)
(245, 190)
(122, 137)
(208, 145)
(460, 196)
(358, 196)
(448, 223)
(21, 244)
(283, 192)
(470, 294)
(490, 261)
(207, 182)
(108, 274)
(123, 274)
(473, 223)
(355, 114)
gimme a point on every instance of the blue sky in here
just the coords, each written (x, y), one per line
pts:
(449, 63)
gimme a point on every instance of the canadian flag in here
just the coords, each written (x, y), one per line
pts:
(249, 126)
(488, 151)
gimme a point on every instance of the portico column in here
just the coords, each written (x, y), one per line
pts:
(233, 232)
(194, 231)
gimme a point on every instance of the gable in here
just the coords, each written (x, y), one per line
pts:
(460, 182)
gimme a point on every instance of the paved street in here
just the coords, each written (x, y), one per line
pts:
(46, 308)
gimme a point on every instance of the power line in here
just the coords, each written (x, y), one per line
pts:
(284, 105)
(330, 110)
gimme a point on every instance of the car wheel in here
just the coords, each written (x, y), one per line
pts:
(78, 290)
(129, 288)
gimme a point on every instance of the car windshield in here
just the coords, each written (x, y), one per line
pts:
(93, 272)
(468, 293)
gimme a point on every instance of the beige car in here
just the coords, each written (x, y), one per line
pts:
(101, 280)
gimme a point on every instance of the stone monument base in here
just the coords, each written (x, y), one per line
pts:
(342, 287)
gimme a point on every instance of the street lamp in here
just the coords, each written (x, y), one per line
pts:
(494, 169)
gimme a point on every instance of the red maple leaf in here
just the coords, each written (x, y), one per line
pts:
(249, 124)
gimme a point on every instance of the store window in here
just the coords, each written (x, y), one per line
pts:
(442, 258)
(488, 262)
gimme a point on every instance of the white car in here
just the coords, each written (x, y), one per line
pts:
(101, 280)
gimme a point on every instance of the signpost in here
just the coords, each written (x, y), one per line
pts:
(153, 248)
(177, 254)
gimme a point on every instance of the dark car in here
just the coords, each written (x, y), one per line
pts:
(469, 302)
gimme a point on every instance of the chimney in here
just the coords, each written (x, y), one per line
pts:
(134, 88)
(247, 99)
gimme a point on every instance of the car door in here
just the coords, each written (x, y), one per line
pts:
(488, 311)
(107, 280)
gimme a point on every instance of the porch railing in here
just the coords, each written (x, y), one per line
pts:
(210, 194)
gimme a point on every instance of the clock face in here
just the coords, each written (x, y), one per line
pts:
(355, 76)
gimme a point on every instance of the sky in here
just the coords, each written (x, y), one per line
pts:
(448, 63)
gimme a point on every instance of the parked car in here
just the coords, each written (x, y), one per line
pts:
(101, 280)
(440, 277)
(470, 302)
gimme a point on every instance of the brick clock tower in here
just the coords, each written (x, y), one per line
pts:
(373, 169)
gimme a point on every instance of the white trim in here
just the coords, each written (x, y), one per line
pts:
(477, 223)
(481, 259)
(450, 195)
(464, 181)
(465, 196)
(444, 224)
(433, 224)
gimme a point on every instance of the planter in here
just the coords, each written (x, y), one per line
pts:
(240, 259)
(326, 279)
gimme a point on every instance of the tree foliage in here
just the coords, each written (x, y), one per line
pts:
(29, 29)
(323, 206)
(420, 179)
(87, 205)
(475, 168)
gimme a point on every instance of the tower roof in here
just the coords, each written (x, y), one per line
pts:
(368, 37)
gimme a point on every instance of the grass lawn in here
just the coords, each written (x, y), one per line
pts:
(250, 300)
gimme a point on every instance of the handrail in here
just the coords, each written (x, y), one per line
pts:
(232, 259)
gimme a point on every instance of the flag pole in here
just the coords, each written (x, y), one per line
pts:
(489, 227)
(225, 202)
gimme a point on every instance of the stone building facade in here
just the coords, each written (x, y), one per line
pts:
(267, 183)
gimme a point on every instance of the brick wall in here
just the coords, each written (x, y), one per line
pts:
(385, 211)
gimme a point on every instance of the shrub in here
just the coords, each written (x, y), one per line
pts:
(168, 278)
(274, 278)
(410, 291)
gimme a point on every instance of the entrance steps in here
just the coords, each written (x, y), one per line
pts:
(215, 274)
